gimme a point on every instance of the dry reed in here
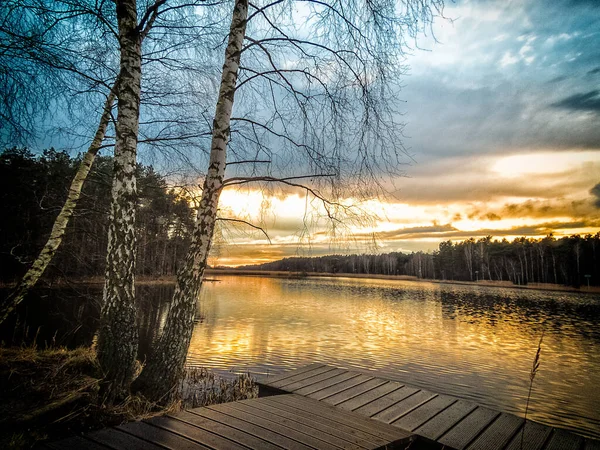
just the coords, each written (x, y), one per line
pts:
(532, 373)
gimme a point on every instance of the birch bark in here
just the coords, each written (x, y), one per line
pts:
(118, 334)
(43, 260)
(165, 365)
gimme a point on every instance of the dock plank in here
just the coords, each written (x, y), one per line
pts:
(331, 428)
(339, 387)
(76, 443)
(591, 444)
(441, 423)
(325, 383)
(119, 440)
(563, 440)
(306, 382)
(194, 433)
(325, 410)
(250, 428)
(283, 428)
(423, 413)
(403, 407)
(352, 392)
(324, 407)
(223, 429)
(289, 373)
(324, 434)
(382, 403)
(301, 376)
(532, 436)
(352, 433)
(468, 428)
(449, 421)
(157, 435)
(498, 434)
(369, 396)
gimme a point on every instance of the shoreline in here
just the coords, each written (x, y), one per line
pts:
(211, 275)
(482, 283)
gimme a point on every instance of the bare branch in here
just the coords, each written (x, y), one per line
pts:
(256, 227)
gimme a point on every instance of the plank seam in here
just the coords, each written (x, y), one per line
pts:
(396, 402)
(309, 392)
(91, 438)
(347, 389)
(280, 406)
(473, 407)
(305, 376)
(187, 437)
(244, 431)
(326, 406)
(260, 426)
(360, 393)
(512, 436)
(381, 396)
(333, 385)
(547, 440)
(143, 438)
(315, 436)
(317, 382)
(483, 430)
(292, 373)
(294, 418)
(436, 414)
(391, 422)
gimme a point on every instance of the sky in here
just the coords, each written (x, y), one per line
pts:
(502, 112)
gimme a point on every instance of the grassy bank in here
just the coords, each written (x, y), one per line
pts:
(53, 393)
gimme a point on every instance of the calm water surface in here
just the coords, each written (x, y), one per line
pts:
(474, 343)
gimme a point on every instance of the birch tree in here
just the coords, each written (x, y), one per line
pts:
(118, 334)
(41, 63)
(325, 98)
(165, 366)
(41, 263)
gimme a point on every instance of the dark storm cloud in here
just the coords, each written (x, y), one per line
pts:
(426, 231)
(595, 191)
(588, 101)
(558, 79)
(514, 74)
(471, 180)
(545, 210)
(449, 232)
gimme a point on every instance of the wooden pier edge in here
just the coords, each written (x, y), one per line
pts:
(437, 420)
(291, 422)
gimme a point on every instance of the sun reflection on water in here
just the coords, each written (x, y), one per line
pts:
(472, 343)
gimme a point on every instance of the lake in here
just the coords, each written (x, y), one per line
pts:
(472, 342)
(476, 343)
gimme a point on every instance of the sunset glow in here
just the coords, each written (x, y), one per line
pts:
(528, 195)
(502, 113)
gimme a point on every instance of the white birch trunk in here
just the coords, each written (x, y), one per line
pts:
(165, 365)
(118, 334)
(43, 260)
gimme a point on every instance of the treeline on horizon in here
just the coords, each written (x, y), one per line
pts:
(33, 189)
(570, 261)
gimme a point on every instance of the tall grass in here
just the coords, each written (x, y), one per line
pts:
(532, 373)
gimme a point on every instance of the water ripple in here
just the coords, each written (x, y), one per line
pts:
(474, 343)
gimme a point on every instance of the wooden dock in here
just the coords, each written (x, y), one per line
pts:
(284, 422)
(447, 420)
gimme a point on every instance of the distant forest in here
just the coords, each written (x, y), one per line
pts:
(32, 191)
(33, 188)
(571, 261)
